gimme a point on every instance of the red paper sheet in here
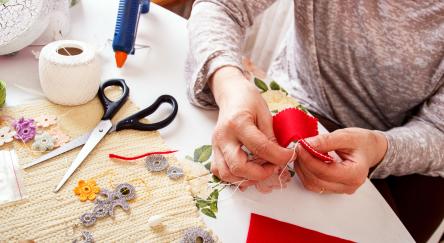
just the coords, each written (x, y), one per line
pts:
(267, 230)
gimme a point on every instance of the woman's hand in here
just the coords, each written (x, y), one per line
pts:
(244, 119)
(360, 149)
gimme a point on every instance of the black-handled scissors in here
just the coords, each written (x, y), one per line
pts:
(105, 126)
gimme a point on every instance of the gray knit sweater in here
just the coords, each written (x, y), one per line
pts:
(371, 64)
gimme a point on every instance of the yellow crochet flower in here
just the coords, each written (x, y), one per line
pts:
(87, 190)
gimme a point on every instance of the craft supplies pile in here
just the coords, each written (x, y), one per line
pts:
(129, 187)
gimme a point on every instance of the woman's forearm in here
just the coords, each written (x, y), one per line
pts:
(216, 32)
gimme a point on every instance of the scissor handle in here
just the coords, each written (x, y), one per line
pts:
(133, 122)
(111, 107)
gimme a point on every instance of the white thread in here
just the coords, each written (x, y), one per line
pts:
(69, 79)
(286, 165)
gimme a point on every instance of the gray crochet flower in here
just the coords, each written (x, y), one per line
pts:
(87, 237)
(43, 142)
(126, 191)
(113, 199)
(88, 219)
(174, 172)
(196, 234)
(102, 209)
(156, 163)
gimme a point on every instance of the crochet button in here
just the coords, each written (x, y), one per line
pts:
(156, 163)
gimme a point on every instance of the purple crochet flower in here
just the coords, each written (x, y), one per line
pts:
(25, 129)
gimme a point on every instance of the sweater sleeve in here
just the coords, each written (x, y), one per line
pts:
(418, 146)
(216, 34)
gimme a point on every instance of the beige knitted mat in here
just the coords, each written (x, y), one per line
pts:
(54, 217)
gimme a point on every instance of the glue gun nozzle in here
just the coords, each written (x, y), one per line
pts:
(120, 58)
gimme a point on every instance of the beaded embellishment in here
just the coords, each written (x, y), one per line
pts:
(174, 172)
(156, 163)
(192, 235)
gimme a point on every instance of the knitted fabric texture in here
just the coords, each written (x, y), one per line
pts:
(48, 217)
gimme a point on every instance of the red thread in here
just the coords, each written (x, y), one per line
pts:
(115, 156)
(324, 157)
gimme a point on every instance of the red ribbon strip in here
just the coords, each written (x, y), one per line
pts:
(115, 156)
(295, 125)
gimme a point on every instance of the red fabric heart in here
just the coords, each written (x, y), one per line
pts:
(295, 125)
(265, 230)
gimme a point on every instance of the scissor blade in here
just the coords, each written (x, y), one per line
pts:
(65, 148)
(96, 135)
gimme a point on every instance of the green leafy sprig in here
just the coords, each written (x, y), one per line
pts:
(207, 206)
(260, 84)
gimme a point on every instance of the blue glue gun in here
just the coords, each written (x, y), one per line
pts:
(126, 28)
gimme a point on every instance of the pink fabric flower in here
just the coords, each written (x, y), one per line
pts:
(60, 138)
(46, 120)
(25, 129)
(6, 135)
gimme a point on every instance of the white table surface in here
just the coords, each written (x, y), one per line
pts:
(362, 217)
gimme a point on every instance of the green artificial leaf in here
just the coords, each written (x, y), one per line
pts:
(73, 2)
(200, 203)
(189, 158)
(302, 108)
(274, 111)
(208, 165)
(214, 195)
(260, 84)
(202, 153)
(285, 91)
(216, 179)
(213, 207)
(208, 212)
(274, 86)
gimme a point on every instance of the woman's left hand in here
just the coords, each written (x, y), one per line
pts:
(359, 149)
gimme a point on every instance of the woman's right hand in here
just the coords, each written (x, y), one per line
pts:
(244, 119)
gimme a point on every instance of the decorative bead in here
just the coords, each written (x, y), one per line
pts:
(175, 173)
(88, 219)
(25, 129)
(86, 190)
(156, 163)
(193, 234)
(6, 135)
(155, 220)
(46, 120)
(43, 142)
(127, 191)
